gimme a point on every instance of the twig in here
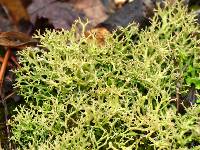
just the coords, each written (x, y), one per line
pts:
(8, 96)
(13, 58)
(9, 63)
(2, 73)
(3, 67)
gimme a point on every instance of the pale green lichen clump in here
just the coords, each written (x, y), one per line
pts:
(117, 96)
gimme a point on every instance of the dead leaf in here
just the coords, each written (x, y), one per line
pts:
(5, 24)
(16, 10)
(138, 11)
(98, 34)
(15, 39)
(93, 9)
(59, 14)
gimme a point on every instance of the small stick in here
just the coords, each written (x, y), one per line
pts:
(4, 65)
(8, 96)
(13, 58)
(2, 73)
(9, 63)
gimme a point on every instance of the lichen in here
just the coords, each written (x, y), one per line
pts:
(119, 95)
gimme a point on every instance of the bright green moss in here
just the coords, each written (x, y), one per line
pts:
(119, 95)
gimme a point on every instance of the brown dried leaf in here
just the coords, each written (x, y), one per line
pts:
(15, 39)
(93, 9)
(5, 24)
(16, 10)
(99, 33)
(59, 14)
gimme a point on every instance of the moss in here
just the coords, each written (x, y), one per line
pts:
(82, 95)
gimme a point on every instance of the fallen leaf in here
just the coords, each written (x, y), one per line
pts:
(138, 11)
(93, 9)
(16, 10)
(5, 24)
(59, 14)
(98, 34)
(15, 39)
